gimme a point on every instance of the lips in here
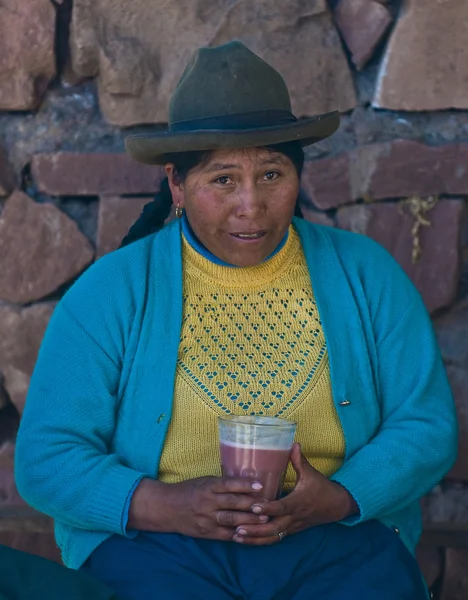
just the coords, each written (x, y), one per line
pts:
(249, 235)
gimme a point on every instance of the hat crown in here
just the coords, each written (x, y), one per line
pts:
(227, 80)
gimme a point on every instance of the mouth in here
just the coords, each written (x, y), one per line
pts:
(248, 235)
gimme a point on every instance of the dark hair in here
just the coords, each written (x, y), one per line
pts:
(156, 212)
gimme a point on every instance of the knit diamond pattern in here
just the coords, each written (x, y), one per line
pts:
(253, 344)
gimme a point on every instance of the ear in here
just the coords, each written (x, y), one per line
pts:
(176, 187)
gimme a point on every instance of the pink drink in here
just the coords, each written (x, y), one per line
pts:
(257, 447)
(267, 466)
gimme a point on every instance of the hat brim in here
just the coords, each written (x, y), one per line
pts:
(152, 149)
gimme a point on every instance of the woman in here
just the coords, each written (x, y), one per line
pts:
(237, 308)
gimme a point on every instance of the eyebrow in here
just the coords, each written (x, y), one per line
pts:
(279, 159)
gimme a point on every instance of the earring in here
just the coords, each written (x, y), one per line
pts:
(178, 212)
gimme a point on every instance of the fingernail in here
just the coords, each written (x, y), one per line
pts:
(238, 539)
(257, 509)
(257, 486)
(241, 531)
(263, 519)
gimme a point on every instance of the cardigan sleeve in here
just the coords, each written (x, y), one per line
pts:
(63, 464)
(416, 443)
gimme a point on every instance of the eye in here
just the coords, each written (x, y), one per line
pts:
(223, 180)
(271, 175)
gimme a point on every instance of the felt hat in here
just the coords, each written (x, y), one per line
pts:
(228, 97)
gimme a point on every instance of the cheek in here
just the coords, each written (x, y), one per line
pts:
(205, 209)
(282, 202)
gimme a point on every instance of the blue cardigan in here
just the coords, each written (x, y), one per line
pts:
(100, 398)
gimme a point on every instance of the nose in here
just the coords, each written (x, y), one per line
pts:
(249, 202)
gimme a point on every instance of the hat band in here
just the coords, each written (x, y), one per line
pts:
(252, 120)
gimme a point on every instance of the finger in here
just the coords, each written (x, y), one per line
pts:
(263, 530)
(299, 461)
(272, 508)
(235, 502)
(265, 541)
(235, 485)
(234, 519)
(225, 534)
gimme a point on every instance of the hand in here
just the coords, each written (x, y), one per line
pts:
(314, 501)
(208, 507)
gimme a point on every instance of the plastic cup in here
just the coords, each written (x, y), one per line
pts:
(258, 447)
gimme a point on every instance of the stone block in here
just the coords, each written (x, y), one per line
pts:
(387, 170)
(430, 562)
(406, 168)
(7, 176)
(426, 62)
(327, 181)
(455, 585)
(4, 400)
(137, 69)
(27, 57)
(41, 249)
(436, 272)
(81, 174)
(116, 216)
(9, 497)
(452, 334)
(22, 332)
(315, 216)
(362, 24)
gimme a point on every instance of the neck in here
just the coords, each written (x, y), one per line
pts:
(193, 240)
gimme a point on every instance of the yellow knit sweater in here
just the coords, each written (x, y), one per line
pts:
(251, 343)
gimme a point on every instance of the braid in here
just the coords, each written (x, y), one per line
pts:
(152, 217)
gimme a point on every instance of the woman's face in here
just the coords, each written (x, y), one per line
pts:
(240, 203)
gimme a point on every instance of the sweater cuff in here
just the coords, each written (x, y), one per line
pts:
(129, 533)
(364, 495)
(110, 500)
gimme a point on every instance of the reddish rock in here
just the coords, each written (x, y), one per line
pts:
(10, 500)
(362, 24)
(387, 170)
(4, 400)
(430, 562)
(458, 378)
(436, 272)
(40, 544)
(317, 217)
(80, 174)
(9, 497)
(426, 62)
(137, 68)
(7, 454)
(452, 335)
(116, 216)
(406, 168)
(22, 333)
(7, 177)
(327, 181)
(17, 384)
(455, 586)
(40, 250)
(27, 58)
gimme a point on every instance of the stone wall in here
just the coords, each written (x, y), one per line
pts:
(75, 79)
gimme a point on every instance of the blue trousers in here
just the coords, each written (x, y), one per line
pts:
(330, 562)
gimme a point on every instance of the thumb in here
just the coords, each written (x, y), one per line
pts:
(299, 461)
